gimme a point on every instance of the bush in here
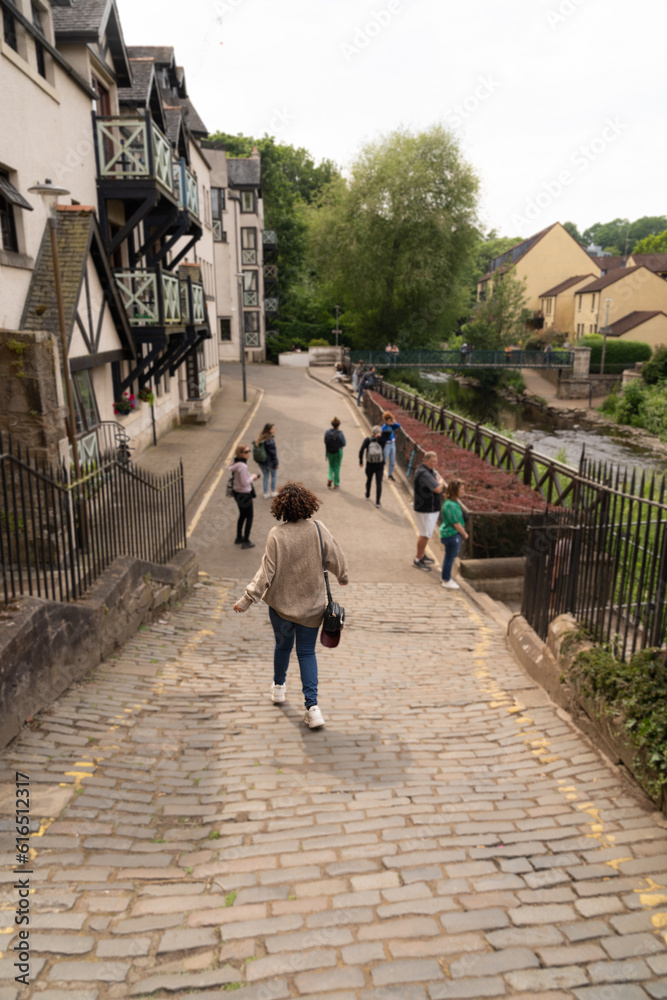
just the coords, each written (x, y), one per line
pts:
(280, 343)
(637, 691)
(655, 370)
(319, 342)
(629, 404)
(619, 354)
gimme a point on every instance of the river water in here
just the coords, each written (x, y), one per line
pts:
(529, 425)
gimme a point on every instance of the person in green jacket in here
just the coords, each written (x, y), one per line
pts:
(452, 530)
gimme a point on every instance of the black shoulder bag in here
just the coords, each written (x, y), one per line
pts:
(334, 616)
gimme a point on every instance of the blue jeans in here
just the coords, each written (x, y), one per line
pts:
(265, 476)
(390, 456)
(452, 547)
(285, 633)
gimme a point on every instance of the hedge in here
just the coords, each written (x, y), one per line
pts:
(619, 354)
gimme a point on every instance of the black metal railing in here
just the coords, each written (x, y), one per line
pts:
(58, 534)
(510, 358)
(603, 561)
(554, 481)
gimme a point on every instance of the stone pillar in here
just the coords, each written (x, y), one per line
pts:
(32, 408)
(582, 362)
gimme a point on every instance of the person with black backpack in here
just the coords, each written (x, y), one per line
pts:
(334, 442)
(374, 448)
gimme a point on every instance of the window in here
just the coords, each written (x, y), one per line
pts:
(217, 208)
(251, 329)
(102, 100)
(9, 28)
(247, 201)
(87, 415)
(7, 221)
(39, 48)
(250, 288)
(225, 328)
(593, 303)
(579, 301)
(548, 309)
(248, 246)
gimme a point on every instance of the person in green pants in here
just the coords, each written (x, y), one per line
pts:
(334, 442)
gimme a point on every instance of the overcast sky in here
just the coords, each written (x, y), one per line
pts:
(558, 104)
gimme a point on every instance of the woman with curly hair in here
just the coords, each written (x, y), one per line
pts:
(291, 581)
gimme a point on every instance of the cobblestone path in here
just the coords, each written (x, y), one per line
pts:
(449, 834)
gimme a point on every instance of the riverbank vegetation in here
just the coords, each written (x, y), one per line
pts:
(643, 402)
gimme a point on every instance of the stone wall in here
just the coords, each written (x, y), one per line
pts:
(32, 410)
(46, 646)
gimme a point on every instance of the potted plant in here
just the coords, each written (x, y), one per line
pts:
(125, 404)
(146, 395)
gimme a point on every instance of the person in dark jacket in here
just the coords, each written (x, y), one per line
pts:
(334, 442)
(270, 467)
(367, 382)
(428, 484)
(373, 446)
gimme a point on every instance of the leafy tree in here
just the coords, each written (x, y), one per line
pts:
(573, 231)
(499, 319)
(652, 244)
(655, 369)
(393, 244)
(290, 180)
(621, 235)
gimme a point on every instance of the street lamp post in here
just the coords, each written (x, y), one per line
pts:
(50, 193)
(605, 331)
(236, 198)
(337, 331)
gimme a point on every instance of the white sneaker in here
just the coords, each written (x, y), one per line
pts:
(266, 496)
(450, 585)
(313, 717)
(278, 693)
(274, 493)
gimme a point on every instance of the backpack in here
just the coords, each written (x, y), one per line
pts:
(259, 452)
(375, 452)
(332, 441)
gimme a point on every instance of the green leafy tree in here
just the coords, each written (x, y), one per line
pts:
(393, 244)
(652, 244)
(573, 231)
(500, 318)
(290, 180)
(621, 236)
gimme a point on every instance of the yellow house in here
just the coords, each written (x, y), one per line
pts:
(558, 302)
(542, 261)
(645, 325)
(656, 262)
(608, 299)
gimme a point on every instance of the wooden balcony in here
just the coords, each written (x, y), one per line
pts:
(186, 189)
(152, 297)
(193, 303)
(133, 149)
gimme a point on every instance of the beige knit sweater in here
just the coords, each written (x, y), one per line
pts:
(291, 579)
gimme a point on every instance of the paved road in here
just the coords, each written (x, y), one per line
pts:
(449, 834)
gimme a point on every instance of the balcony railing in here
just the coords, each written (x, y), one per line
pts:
(185, 187)
(270, 274)
(271, 304)
(150, 297)
(270, 239)
(193, 303)
(133, 148)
